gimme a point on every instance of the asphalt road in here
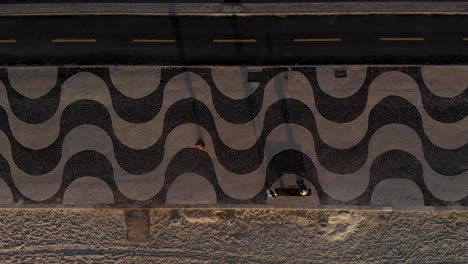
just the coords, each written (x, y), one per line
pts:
(408, 39)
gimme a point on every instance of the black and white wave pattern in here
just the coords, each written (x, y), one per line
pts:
(86, 125)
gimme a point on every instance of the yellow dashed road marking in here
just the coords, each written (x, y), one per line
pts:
(7, 41)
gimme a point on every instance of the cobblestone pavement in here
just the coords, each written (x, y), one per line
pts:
(127, 136)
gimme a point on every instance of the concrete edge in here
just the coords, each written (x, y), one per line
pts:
(244, 9)
(243, 207)
(247, 66)
(171, 65)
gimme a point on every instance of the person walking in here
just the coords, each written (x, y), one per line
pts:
(303, 191)
(200, 144)
(271, 193)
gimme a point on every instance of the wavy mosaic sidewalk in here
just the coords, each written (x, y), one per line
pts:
(126, 135)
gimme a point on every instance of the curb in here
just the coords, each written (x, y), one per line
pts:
(355, 208)
(244, 9)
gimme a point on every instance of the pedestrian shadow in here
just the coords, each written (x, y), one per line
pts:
(290, 142)
(177, 29)
(195, 111)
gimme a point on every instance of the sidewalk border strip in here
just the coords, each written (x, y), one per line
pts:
(244, 9)
(369, 208)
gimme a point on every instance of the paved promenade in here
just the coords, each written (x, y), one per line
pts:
(126, 136)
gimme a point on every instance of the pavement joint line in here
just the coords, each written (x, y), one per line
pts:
(402, 39)
(318, 40)
(154, 40)
(234, 40)
(73, 40)
(7, 41)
